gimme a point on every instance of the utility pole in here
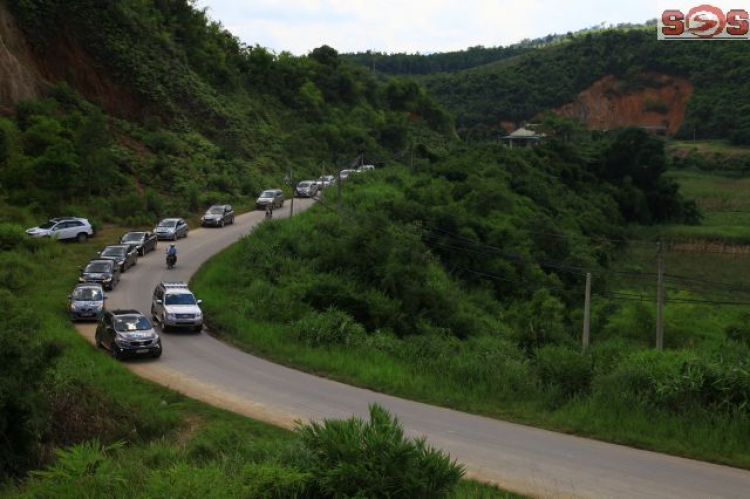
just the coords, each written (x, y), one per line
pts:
(587, 313)
(660, 298)
(411, 155)
(291, 182)
(338, 186)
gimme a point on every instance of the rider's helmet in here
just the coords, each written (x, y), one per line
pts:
(171, 245)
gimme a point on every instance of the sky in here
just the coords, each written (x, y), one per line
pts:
(411, 26)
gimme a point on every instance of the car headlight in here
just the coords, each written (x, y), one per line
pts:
(120, 341)
(107, 279)
(73, 307)
(199, 315)
(172, 317)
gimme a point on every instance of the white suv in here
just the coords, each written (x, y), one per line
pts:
(173, 305)
(64, 228)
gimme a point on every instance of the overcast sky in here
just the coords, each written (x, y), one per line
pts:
(424, 26)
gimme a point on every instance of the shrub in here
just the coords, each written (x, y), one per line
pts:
(567, 372)
(678, 381)
(356, 458)
(24, 361)
(11, 237)
(740, 331)
(332, 327)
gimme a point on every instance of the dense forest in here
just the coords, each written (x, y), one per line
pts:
(450, 62)
(519, 88)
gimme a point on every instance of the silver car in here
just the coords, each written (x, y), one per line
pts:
(306, 189)
(271, 196)
(171, 228)
(326, 181)
(86, 302)
(174, 306)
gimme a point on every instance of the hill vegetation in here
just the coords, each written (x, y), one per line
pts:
(194, 117)
(534, 81)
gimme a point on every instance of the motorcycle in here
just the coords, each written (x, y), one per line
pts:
(171, 261)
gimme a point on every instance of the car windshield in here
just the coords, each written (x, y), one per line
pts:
(304, 184)
(113, 252)
(216, 210)
(88, 294)
(127, 323)
(98, 267)
(167, 223)
(133, 236)
(47, 225)
(179, 299)
(268, 194)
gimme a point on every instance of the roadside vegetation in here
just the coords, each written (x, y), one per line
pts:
(462, 285)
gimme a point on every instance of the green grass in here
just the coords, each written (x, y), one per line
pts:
(723, 202)
(708, 146)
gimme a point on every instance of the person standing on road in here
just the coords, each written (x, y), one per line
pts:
(269, 210)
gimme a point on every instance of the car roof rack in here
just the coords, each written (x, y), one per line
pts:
(174, 284)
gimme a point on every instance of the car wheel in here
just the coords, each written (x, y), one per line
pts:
(157, 354)
(198, 329)
(114, 353)
(221, 224)
(97, 343)
(82, 237)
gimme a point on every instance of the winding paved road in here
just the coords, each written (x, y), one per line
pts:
(527, 460)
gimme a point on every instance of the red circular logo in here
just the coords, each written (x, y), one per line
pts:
(705, 21)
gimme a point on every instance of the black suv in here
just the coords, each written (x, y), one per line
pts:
(127, 333)
(143, 241)
(218, 216)
(106, 272)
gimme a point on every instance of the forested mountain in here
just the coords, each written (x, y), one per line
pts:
(153, 103)
(518, 89)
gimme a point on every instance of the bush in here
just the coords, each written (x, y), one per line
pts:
(332, 327)
(354, 458)
(678, 381)
(567, 372)
(11, 237)
(739, 332)
(24, 361)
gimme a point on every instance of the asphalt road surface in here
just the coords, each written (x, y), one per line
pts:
(535, 462)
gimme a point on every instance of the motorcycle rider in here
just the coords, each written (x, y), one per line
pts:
(269, 210)
(171, 254)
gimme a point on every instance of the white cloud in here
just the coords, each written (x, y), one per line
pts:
(424, 26)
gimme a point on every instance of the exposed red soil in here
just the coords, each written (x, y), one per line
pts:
(25, 74)
(610, 103)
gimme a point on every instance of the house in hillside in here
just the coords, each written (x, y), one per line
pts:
(523, 137)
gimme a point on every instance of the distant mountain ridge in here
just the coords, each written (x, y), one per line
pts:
(518, 86)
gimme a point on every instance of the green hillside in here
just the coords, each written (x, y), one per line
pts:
(519, 88)
(160, 110)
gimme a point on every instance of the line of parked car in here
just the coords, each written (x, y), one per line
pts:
(126, 332)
